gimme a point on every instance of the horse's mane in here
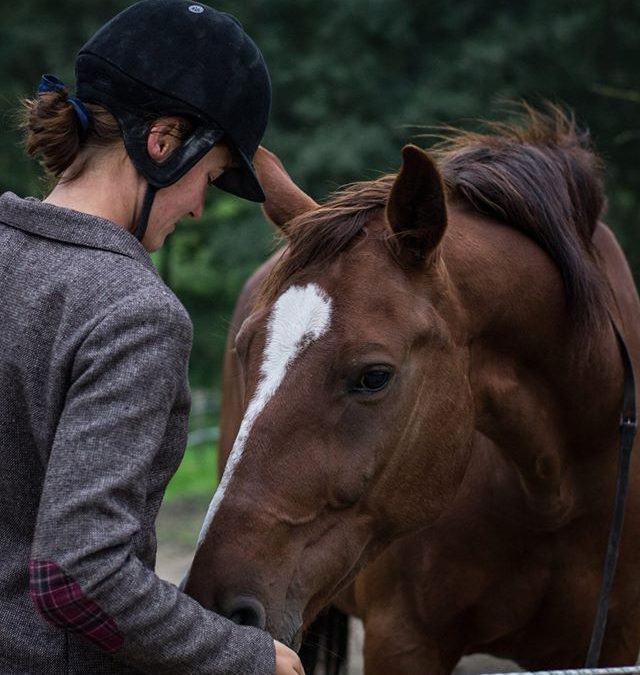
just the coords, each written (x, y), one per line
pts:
(537, 175)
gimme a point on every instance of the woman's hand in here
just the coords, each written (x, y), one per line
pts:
(287, 661)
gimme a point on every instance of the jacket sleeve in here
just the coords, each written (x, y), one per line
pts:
(84, 574)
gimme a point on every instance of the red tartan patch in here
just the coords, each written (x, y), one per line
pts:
(60, 600)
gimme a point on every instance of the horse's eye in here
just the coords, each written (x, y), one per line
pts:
(373, 380)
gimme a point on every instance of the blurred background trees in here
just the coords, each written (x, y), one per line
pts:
(353, 81)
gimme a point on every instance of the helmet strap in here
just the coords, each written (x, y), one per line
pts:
(143, 221)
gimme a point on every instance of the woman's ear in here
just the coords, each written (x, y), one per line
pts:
(163, 138)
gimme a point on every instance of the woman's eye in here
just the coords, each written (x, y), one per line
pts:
(372, 381)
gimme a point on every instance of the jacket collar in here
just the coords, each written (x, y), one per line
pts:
(72, 227)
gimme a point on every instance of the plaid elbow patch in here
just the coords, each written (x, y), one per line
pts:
(60, 600)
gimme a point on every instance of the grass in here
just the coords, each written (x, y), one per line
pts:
(196, 478)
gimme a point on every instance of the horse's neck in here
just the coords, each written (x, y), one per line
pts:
(543, 407)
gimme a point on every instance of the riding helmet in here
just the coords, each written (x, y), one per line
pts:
(179, 57)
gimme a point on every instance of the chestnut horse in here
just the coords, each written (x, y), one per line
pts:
(423, 394)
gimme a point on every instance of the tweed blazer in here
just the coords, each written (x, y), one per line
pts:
(94, 405)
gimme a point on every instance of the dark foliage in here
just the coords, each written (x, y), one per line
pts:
(353, 81)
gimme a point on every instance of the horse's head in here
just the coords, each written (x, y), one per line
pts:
(355, 387)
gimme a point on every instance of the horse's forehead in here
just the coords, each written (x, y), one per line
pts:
(299, 316)
(368, 282)
(347, 292)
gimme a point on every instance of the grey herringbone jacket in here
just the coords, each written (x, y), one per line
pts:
(93, 414)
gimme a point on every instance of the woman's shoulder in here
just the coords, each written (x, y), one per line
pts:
(124, 286)
(86, 262)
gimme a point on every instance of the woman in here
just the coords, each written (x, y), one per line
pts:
(172, 96)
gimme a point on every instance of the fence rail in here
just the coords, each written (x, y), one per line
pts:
(582, 671)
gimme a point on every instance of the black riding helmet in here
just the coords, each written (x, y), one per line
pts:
(179, 57)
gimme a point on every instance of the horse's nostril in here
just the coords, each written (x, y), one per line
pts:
(246, 611)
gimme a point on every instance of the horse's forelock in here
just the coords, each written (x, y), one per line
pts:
(317, 237)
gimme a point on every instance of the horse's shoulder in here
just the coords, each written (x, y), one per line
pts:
(616, 269)
(606, 243)
(625, 304)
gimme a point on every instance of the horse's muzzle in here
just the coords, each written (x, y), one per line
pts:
(245, 610)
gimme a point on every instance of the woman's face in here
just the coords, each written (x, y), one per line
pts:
(185, 197)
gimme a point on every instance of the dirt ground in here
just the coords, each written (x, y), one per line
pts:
(178, 527)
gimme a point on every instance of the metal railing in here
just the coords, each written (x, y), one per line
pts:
(582, 671)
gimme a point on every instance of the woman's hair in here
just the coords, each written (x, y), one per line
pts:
(54, 135)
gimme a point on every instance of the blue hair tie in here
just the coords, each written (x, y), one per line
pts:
(51, 83)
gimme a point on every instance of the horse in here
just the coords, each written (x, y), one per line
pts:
(421, 412)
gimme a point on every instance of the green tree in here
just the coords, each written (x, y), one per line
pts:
(353, 81)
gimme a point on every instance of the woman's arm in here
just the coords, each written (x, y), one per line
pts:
(127, 403)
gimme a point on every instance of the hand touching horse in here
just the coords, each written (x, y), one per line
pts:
(424, 389)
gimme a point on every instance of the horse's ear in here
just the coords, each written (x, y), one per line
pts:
(284, 199)
(416, 209)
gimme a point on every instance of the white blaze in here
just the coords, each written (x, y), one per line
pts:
(300, 316)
